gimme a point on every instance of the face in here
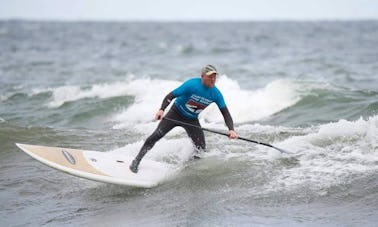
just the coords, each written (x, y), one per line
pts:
(209, 81)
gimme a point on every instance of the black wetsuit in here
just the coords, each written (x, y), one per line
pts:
(195, 133)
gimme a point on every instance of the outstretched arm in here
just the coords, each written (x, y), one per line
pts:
(166, 101)
(229, 122)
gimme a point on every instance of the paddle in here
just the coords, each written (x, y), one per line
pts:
(225, 134)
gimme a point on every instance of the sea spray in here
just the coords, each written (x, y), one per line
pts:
(244, 105)
(332, 154)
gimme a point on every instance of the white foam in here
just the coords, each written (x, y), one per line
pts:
(148, 95)
(247, 105)
(3, 98)
(65, 94)
(341, 131)
(244, 105)
(170, 150)
(172, 153)
(331, 154)
(136, 88)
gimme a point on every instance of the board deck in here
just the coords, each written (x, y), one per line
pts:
(99, 166)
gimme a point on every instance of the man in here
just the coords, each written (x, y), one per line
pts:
(192, 97)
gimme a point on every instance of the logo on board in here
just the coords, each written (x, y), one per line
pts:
(70, 158)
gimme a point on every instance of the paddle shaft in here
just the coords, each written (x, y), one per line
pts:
(225, 134)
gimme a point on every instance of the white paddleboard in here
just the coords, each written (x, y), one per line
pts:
(99, 166)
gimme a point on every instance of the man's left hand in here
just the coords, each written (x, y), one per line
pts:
(232, 134)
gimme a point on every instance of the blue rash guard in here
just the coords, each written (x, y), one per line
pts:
(192, 97)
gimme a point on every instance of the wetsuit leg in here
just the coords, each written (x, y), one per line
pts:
(163, 128)
(196, 134)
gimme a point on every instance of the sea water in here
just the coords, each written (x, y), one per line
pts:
(307, 87)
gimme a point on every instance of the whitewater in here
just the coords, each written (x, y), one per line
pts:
(307, 87)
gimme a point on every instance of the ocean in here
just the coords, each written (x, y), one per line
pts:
(308, 87)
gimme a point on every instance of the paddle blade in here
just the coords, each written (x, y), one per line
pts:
(282, 150)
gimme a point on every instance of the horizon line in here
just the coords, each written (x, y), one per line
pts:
(189, 20)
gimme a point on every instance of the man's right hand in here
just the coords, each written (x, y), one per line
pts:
(159, 115)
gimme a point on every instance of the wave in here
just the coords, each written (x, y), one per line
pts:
(294, 100)
(332, 154)
(244, 105)
(134, 100)
(71, 93)
(336, 154)
(3, 98)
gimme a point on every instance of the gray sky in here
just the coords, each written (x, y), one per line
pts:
(184, 10)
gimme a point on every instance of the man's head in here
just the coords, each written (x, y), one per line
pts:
(209, 75)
